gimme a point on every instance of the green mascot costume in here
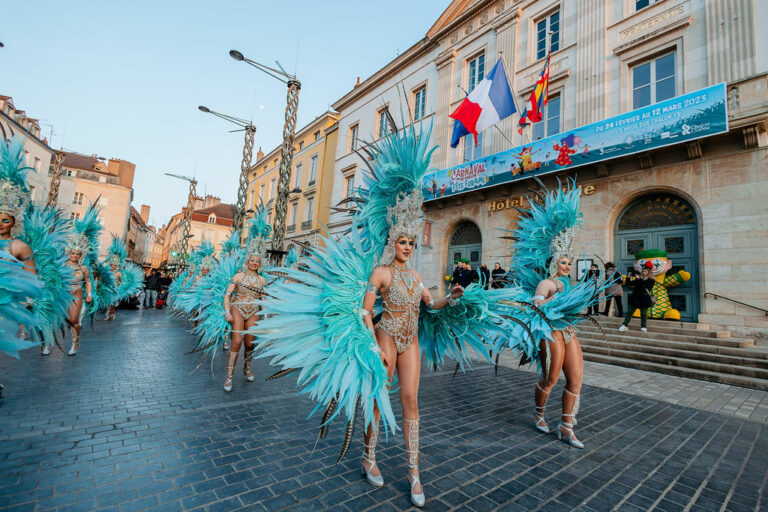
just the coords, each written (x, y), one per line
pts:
(661, 265)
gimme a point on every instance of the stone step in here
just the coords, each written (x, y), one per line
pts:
(755, 352)
(680, 371)
(671, 353)
(587, 327)
(663, 326)
(682, 362)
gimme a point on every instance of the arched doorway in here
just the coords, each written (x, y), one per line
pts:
(466, 242)
(667, 222)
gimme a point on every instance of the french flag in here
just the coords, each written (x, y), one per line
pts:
(488, 103)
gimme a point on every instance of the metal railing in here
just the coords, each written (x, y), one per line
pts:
(717, 296)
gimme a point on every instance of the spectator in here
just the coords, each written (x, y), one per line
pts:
(485, 276)
(151, 285)
(467, 275)
(614, 292)
(497, 276)
(593, 274)
(457, 270)
(162, 297)
(641, 297)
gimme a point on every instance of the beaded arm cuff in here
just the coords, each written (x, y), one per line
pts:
(372, 288)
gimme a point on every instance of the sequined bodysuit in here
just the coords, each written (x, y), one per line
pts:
(78, 280)
(400, 303)
(569, 332)
(247, 291)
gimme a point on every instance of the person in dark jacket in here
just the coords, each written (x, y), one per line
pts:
(614, 292)
(497, 276)
(485, 276)
(593, 274)
(641, 297)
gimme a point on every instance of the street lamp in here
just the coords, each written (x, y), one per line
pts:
(185, 236)
(245, 165)
(286, 151)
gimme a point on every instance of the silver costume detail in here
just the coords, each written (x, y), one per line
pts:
(404, 220)
(411, 431)
(538, 297)
(372, 288)
(400, 303)
(561, 246)
(247, 291)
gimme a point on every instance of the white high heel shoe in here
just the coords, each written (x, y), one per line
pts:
(538, 415)
(376, 481)
(568, 437)
(417, 499)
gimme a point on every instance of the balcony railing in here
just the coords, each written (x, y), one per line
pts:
(291, 228)
(306, 224)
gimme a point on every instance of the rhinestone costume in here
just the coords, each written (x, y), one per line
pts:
(78, 280)
(247, 291)
(400, 303)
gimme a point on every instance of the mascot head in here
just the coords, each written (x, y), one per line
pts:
(654, 259)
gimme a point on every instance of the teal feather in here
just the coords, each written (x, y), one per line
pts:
(16, 286)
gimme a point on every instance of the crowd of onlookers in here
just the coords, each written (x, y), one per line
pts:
(640, 298)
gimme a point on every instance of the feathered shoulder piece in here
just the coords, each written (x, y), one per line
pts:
(231, 245)
(117, 253)
(545, 231)
(389, 199)
(14, 195)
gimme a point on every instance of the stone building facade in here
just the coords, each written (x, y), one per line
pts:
(310, 182)
(703, 201)
(37, 153)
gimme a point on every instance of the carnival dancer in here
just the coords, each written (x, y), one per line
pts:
(319, 319)
(128, 277)
(184, 288)
(35, 236)
(81, 278)
(544, 330)
(241, 307)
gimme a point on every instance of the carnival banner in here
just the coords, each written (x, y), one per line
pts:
(691, 116)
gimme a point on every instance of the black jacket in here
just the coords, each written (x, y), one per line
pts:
(641, 291)
(498, 278)
(486, 277)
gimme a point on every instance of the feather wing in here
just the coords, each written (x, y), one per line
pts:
(16, 286)
(46, 234)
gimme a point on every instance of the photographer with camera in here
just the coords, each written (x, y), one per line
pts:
(641, 297)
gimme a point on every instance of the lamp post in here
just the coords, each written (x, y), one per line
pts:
(185, 236)
(286, 151)
(53, 192)
(245, 165)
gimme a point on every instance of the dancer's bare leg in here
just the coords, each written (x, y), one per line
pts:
(409, 373)
(551, 372)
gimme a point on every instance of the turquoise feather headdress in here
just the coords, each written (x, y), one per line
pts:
(259, 232)
(116, 252)
(203, 256)
(14, 195)
(390, 198)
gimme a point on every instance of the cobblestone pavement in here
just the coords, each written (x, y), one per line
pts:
(126, 425)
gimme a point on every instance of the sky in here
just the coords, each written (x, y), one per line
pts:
(124, 79)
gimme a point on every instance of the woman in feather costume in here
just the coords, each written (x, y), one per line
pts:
(240, 300)
(321, 321)
(542, 259)
(81, 278)
(35, 236)
(182, 293)
(128, 277)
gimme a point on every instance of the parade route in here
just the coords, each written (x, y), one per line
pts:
(128, 424)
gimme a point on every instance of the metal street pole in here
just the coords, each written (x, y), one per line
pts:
(286, 160)
(53, 193)
(185, 226)
(245, 165)
(286, 151)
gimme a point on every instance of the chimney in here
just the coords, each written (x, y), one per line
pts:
(145, 213)
(211, 201)
(260, 154)
(358, 82)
